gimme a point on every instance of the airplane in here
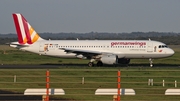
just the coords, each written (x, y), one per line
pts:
(101, 52)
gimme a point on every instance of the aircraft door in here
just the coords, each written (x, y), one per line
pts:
(150, 47)
(43, 47)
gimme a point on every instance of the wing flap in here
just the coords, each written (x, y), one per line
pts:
(82, 52)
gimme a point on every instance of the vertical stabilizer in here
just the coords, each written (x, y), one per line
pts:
(25, 32)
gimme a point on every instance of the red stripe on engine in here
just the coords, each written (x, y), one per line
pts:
(16, 23)
(25, 24)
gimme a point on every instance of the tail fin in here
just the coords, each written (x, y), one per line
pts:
(25, 32)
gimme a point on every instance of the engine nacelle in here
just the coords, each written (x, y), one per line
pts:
(109, 59)
(123, 61)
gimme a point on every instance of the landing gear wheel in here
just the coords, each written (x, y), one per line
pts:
(151, 62)
(90, 64)
(99, 63)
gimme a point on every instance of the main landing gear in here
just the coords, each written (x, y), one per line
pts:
(99, 64)
(151, 62)
(91, 63)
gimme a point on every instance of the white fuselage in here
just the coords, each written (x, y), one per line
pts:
(121, 48)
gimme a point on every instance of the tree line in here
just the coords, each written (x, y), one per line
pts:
(169, 38)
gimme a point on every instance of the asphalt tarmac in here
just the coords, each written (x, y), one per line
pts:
(56, 66)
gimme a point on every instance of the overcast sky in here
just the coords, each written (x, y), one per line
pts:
(83, 16)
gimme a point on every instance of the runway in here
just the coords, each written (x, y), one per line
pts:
(29, 66)
(56, 66)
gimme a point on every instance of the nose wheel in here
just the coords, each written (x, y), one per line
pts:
(151, 62)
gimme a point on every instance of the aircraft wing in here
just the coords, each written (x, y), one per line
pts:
(89, 53)
(85, 53)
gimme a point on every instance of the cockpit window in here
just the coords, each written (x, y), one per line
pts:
(163, 46)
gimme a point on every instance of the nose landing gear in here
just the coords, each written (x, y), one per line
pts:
(151, 62)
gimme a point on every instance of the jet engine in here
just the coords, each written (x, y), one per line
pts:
(109, 59)
(123, 61)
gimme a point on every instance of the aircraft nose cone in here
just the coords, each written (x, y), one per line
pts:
(171, 52)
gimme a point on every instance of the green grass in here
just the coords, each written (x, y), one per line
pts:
(69, 78)
(13, 56)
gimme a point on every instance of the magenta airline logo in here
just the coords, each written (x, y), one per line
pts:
(128, 43)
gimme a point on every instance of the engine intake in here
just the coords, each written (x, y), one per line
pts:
(109, 59)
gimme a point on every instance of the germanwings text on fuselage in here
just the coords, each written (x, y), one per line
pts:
(128, 43)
